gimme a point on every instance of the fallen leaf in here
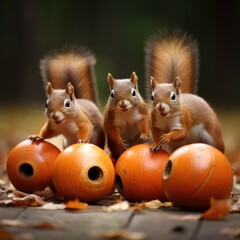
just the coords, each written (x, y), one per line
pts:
(22, 224)
(123, 234)
(157, 204)
(46, 194)
(117, 207)
(218, 209)
(154, 204)
(230, 232)
(5, 235)
(19, 194)
(235, 207)
(138, 207)
(12, 223)
(76, 205)
(29, 200)
(44, 225)
(53, 206)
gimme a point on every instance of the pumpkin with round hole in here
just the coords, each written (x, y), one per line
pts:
(83, 171)
(194, 173)
(139, 174)
(30, 164)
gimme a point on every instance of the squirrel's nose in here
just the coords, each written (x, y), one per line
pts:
(123, 104)
(161, 107)
(55, 115)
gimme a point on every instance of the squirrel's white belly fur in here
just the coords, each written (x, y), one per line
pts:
(68, 130)
(127, 123)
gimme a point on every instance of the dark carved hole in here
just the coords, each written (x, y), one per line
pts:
(26, 170)
(95, 173)
(167, 170)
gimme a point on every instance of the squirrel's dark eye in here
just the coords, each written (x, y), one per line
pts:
(133, 92)
(173, 96)
(66, 103)
(46, 104)
(112, 93)
(152, 96)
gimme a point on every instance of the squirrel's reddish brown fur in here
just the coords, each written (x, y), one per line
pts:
(178, 116)
(72, 101)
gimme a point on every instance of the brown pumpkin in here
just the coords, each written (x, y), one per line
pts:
(194, 173)
(29, 165)
(83, 171)
(139, 174)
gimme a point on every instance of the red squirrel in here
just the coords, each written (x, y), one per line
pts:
(126, 115)
(178, 115)
(72, 101)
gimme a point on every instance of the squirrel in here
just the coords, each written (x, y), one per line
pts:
(72, 104)
(178, 115)
(126, 115)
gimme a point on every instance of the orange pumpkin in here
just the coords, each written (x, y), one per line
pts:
(29, 165)
(83, 171)
(139, 174)
(194, 173)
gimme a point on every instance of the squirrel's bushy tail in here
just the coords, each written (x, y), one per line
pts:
(168, 56)
(75, 65)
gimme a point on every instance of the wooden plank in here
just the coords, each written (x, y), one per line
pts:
(10, 212)
(75, 224)
(90, 224)
(162, 224)
(212, 229)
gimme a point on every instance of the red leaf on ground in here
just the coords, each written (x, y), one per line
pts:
(76, 205)
(5, 235)
(218, 209)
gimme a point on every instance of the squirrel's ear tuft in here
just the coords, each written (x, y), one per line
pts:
(177, 84)
(49, 88)
(70, 90)
(134, 79)
(152, 82)
(110, 80)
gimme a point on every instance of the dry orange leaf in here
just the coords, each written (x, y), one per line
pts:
(6, 235)
(218, 209)
(23, 200)
(76, 205)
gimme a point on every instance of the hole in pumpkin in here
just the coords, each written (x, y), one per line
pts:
(95, 173)
(26, 170)
(167, 170)
(118, 182)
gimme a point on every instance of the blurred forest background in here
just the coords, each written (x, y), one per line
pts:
(116, 32)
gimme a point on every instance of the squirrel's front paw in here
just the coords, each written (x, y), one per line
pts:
(83, 141)
(124, 145)
(155, 147)
(163, 139)
(144, 138)
(36, 138)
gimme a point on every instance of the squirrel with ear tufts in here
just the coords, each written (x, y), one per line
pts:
(178, 115)
(126, 115)
(72, 101)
